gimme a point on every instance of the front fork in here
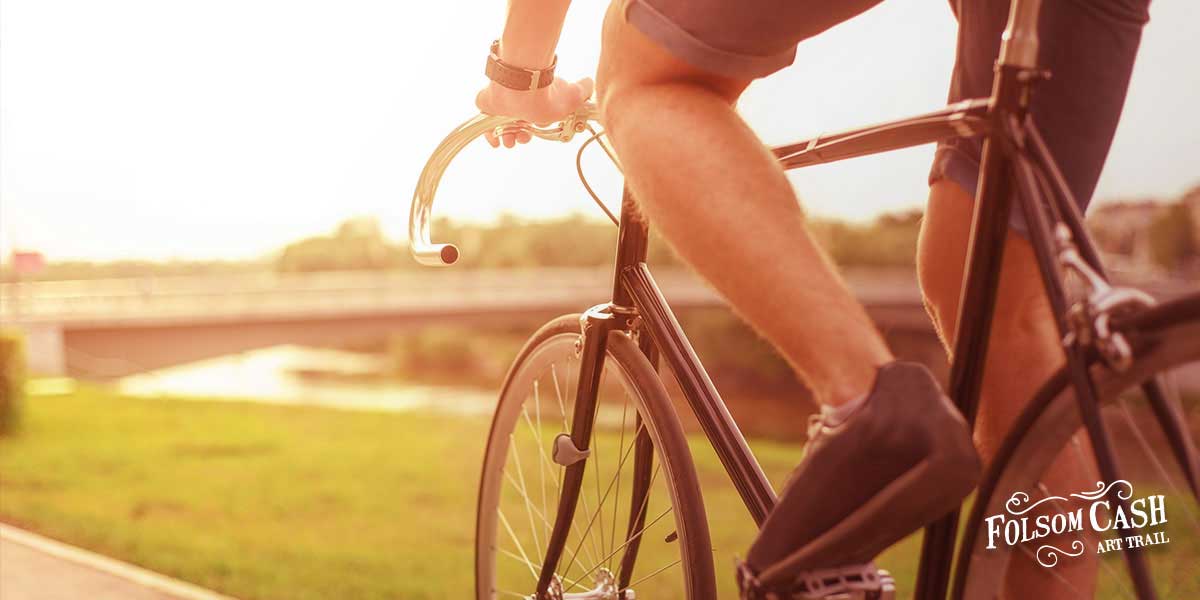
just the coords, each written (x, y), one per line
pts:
(572, 450)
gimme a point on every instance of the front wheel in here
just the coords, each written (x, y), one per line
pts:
(639, 527)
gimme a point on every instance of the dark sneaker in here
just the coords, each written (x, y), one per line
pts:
(872, 473)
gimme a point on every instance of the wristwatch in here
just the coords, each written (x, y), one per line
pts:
(517, 78)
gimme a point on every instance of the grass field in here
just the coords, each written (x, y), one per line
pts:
(273, 502)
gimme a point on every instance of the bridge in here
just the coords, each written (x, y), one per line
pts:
(116, 327)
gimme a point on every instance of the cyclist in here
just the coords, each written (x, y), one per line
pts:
(889, 452)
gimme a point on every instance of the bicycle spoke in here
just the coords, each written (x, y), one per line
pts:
(621, 447)
(525, 495)
(622, 546)
(595, 460)
(541, 446)
(543, 463)
(517, 486)
(541, 515)
(1164, 474)
(520, 548)
(566, 429)
(641, 510)
(1153, 456)
(508, 593)
(592, 520)
(588, 527)
(519, 559)
(655, 572)
(562, 409)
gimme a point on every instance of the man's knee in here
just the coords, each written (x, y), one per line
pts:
(630, 63)
(1021, 306)
(941, 252)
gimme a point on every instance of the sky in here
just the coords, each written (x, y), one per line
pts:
(168, 129)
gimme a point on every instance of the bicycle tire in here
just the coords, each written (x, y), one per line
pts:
(640, 380)
(1164, 337)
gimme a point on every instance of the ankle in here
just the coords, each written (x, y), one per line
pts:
(853, 386)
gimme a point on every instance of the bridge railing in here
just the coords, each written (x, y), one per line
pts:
(283, 295)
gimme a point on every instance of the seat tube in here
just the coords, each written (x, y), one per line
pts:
(1015, 69)
(1011, 88)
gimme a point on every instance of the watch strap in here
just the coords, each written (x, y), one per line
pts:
(517, 78)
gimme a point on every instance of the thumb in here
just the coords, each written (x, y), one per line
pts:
(572, 96)
(585, 86)
(483, 101)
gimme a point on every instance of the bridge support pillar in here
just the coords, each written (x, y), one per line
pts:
(44, 348)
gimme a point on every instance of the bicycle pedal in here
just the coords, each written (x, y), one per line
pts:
(857, 582)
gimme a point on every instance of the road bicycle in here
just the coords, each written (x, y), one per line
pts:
(590, 490)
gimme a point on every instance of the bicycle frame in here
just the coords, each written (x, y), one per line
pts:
(636, 292)
(1011, 151)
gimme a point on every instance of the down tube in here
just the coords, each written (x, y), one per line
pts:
(731, 448)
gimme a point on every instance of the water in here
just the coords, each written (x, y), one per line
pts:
(276, 375)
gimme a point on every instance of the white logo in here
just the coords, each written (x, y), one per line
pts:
(1061, 516)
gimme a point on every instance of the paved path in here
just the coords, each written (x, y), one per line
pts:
(33, 567)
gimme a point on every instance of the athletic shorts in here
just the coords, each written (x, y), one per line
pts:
(1088, 45)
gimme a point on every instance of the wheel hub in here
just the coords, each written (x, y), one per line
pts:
(604, 588)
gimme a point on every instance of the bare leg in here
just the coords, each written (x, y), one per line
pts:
(718, 196)
(1023, 353)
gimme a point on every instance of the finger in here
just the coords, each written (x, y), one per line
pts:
(510, 139)
(522, 131)
(490, 136)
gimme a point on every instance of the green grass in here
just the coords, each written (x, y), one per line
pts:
(261, 501)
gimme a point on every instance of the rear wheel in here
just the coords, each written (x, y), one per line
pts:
(639, 522)
(1089, 563)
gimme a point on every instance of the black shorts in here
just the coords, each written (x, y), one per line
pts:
(1088, 45)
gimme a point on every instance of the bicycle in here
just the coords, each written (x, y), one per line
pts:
(544, 438)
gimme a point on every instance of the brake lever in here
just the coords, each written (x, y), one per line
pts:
(421, 212)
(564, 132)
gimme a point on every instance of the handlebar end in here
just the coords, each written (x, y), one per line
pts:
(449, 254)
(437, 255)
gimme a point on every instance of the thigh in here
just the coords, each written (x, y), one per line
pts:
(630, 59)
(1089, 47)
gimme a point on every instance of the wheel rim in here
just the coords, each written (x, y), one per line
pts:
(521, 483)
